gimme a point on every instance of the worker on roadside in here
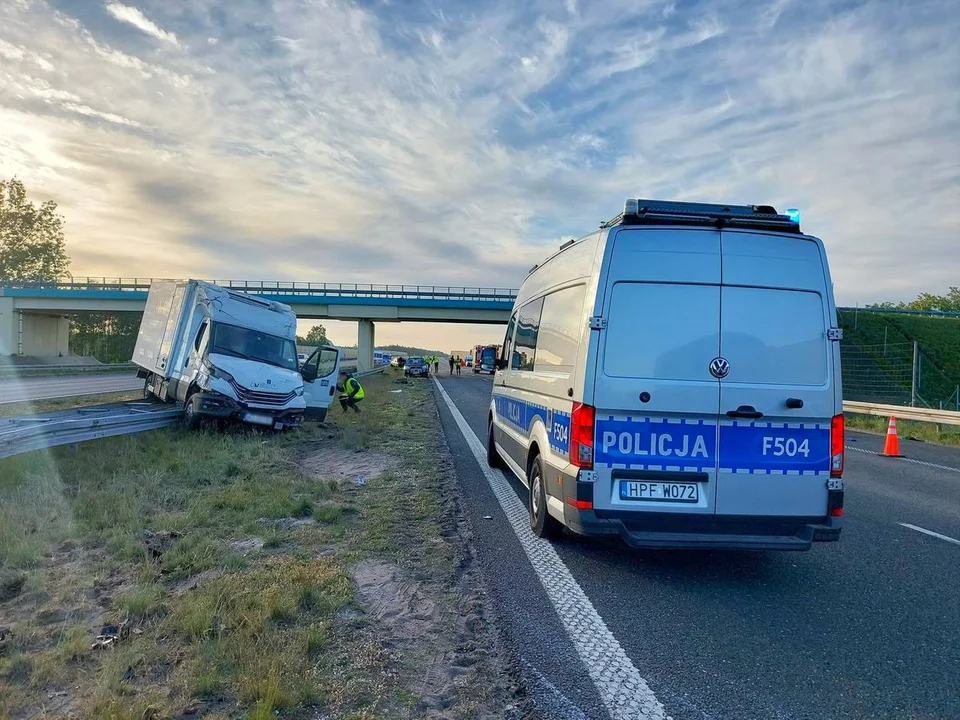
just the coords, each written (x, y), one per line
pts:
(436, 365)
(351, 392)
(451, 364)
(459, 364)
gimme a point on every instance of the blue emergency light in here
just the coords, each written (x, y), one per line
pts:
(793, 214)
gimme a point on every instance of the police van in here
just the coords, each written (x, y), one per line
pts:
(674, 379)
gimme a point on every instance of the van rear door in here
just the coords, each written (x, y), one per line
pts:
(777, 398)
(656, 404)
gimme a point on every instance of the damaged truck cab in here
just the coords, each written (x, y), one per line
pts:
(223, 354)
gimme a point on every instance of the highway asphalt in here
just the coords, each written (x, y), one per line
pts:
(865, 628)
(15, 390)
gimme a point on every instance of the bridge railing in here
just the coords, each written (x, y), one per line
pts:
(283, 287)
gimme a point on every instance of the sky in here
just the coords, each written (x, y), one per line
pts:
(460, 142)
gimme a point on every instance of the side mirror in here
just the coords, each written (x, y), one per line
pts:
(501, 364)
(308, 373)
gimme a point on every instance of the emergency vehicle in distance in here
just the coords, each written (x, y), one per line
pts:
(485, 358)
(673, 379)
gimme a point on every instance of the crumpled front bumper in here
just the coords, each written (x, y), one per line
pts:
(220, 407)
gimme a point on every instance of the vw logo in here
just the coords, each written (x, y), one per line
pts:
(719, 368)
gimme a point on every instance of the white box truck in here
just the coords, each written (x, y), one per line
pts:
(230, 356)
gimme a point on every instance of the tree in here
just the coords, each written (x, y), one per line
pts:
(317, 335)
(32, 247)
(926, 301)
(945, 303)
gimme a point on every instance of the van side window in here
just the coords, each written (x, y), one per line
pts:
(507, 349)
(561, 326)
(326, 362)
(528, 328)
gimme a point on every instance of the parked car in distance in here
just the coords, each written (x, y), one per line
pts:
(416, 367)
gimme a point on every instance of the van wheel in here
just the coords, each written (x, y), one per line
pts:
(191, 416)
(493, 457)
(541, 522)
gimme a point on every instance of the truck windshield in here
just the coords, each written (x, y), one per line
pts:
(253, 345)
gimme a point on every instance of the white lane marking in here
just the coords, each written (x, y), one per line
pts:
(931, 533)
(623, 691)
(908, 460)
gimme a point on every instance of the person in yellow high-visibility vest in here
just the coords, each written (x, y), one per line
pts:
(351, 392)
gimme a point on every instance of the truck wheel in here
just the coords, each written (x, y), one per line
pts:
(493, 457)
(146, 389)
(542, 522)
(191, 415)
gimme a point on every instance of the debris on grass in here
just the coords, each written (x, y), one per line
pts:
(110, 635)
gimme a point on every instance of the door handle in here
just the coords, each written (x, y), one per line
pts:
(794, 403)
(745, 411)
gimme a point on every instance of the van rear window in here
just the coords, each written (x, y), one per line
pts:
(664, 331)
(775, 337)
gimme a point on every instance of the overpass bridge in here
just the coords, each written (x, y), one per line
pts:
(34, 317)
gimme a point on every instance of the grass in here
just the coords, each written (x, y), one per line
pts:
(155, 531)
(906, 429)
(41, 406)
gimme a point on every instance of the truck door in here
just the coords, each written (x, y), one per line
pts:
(656, 402)
(776, 387)
(320, 372)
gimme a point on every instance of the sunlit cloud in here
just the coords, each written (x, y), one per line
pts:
(131, 15)
(395, 143)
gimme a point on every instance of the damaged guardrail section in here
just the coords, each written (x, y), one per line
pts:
(35, 432)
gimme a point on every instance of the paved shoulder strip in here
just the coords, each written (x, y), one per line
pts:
(906, 460)
(624, 692)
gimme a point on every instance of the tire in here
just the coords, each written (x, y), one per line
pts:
(541, 522)
(191, 418)
(493, 457)
(146, 392)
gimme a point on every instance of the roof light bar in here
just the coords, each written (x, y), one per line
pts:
(663, 212)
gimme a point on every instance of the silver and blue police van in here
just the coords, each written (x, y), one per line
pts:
(674, 379)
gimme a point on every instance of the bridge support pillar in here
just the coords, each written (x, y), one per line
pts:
(45, 336)
(365, 345)
(9, 328)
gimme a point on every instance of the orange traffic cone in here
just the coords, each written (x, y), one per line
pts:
(891, 448)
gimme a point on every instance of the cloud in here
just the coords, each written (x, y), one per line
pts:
(132, 16)
(390, 143)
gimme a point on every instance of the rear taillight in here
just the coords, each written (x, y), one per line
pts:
(581, 436)
(836, 446)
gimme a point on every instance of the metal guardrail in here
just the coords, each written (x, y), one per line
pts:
(438, 292)
(263, 287)
(901, 412)
(35, 432)
(8, 371)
